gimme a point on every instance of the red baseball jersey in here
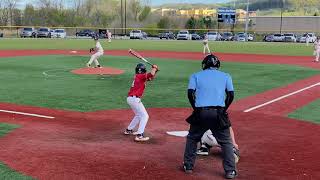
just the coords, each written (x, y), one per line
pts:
(139, 84)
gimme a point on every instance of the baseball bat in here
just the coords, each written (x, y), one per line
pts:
(137, 55)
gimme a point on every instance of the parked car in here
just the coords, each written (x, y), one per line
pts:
(312, 37)
(144, 35)
(250, 37)
(290, 37)
(167, 35)
(195, 36)
(299, 37)
(213, 36)
(137, 34)
(28, 32)
(278, 37)
(238, 34)
(184, 35)
(86, 32)
(59, 33)
(102, 33)
(241, 37)
(268, 38)
(44, 32)
(227, 36)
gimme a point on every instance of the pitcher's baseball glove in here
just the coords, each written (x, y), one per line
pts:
(91, 50)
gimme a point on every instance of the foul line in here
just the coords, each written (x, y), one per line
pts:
(27, 114)
(282, 97)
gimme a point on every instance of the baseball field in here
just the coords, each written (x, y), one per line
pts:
(57, 125)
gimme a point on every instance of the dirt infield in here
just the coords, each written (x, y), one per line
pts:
(77, 145)
(101, 71)
(305, 61)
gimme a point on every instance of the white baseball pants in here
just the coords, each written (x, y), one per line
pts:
(317, 55)
(206, 47)
(94, 58)
(141, 116)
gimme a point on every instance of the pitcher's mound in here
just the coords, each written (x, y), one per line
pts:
(102, 70)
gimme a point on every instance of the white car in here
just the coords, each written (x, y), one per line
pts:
(290, 37)
(241, 37)
(184, 34)
(278, 38)
(213, 36)
(312, 37)
(59, 33)
(136, 34)
(250, 37)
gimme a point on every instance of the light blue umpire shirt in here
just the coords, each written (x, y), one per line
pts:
(210, 85)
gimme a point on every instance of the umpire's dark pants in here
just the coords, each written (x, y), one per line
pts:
(208, 119)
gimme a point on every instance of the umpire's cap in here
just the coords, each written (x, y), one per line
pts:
(210, 61)
(141, 68)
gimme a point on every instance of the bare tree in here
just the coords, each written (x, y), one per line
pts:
(7, 10)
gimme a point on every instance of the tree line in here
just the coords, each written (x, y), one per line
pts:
(303, 6)
(98, 13)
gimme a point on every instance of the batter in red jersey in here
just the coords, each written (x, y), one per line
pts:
(134, 100)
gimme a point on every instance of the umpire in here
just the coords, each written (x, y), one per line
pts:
(210, 93)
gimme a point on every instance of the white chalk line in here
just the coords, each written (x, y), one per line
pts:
(27, 114)
(281, 97)
(46, 73)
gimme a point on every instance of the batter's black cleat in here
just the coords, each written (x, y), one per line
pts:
(187, 168)
(128, 132)
(231, 174)
(98, 66)
(204, 151)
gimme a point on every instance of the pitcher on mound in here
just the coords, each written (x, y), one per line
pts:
(98, 51)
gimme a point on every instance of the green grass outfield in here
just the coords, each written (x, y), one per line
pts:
(5, 172)
(292, 49)
(47, 81)
(308, 113)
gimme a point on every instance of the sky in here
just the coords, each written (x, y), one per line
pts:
(22, 3)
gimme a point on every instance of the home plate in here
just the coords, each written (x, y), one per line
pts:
(178, 133)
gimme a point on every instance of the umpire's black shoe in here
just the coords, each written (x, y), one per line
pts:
(187, 168)
(231, 174)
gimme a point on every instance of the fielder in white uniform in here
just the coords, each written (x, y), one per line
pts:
(307, 39)
(206, 49)
(98, 52)
(317, 49)
(109, 35)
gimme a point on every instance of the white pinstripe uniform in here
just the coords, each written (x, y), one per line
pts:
(95, 56)
(206, 45)
(317, 49)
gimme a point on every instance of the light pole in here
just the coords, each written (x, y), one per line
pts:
(282, 3)
(125, 17)
(247, 17)
(121, 21)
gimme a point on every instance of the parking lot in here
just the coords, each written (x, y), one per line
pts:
(136, 34)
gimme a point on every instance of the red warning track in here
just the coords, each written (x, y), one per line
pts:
(306, 61)
(90, 145)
